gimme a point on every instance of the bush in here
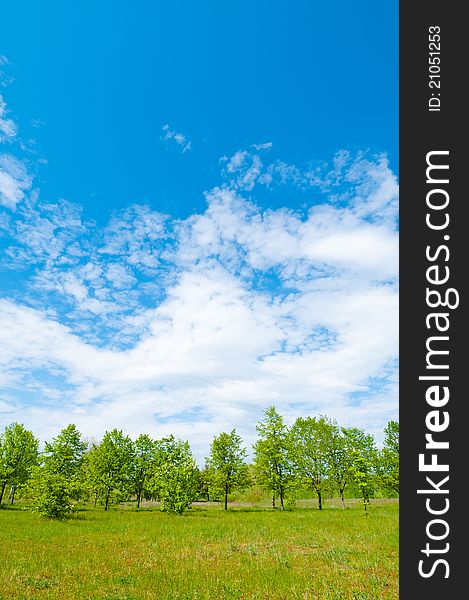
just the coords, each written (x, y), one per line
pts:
(176, 477)
(54, 495)
(177, 492)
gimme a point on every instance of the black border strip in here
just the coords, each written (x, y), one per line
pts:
(423, 131)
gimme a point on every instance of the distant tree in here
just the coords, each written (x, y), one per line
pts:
(93, 480)
(57, 484)
(109, 466)
(226, 464)
(273, 465)
(18, 455)
(310, 450)
(145, 457)
(203, 484)
(388, 459)
(175, 477)
(340, 461)
(362, 450)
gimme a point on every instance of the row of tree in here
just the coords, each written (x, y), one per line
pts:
(314, 453)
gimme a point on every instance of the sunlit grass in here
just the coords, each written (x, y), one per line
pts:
(242, 554)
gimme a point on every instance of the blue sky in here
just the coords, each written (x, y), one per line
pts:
(204, 197)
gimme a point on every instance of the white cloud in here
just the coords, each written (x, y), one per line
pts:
(265, 146)
(236, 161)
(247, 169)
(14, 181)
(179, 138)
(7, 126)
(338, 238)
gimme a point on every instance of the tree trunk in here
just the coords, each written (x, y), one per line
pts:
(13, 492)
(319, 501)
(138, 499)
(4, 484)
(342, 499)
(281, 498)
(273, 501)
(95, 500)
(226, 496)
(107, 501)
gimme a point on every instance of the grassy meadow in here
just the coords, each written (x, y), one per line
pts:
(246, 553)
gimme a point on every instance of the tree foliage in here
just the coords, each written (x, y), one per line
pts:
(57, 484)
(175, 476)
(362, 453)
(388, 459)
(226, 465)
(53, 494)
(340, 461)
(311, 443)
(315, 452)
(109, 467)
(145, 458)
(18, 455)
(273, 465)
(65, 453)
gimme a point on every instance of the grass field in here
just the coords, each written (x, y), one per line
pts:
(247, 553)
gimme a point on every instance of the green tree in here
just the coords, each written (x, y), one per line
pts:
(310, 450)
(18, 455)
(272, 452)
(362, 450)
(92, 474)
(204, 484)
(388, 459)
(226, 464)
(145, 456)
(340, 461)
(53, 494)
(65, 453)
(175, 477)
(110, 466)
(57, 484)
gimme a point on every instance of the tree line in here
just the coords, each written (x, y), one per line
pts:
(315, 454)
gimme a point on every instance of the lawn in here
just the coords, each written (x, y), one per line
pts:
(246, 553)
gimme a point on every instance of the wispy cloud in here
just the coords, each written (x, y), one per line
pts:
(7, 125)
(265, 146)
(14, 181)
(361, 181)
(14, 178)
(179, 138)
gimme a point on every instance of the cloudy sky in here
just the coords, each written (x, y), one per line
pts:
(198, 217)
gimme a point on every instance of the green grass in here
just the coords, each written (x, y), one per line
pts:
(244, 554)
